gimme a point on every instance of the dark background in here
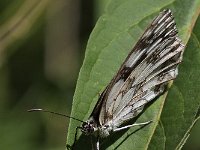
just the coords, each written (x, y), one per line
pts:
(42, 45)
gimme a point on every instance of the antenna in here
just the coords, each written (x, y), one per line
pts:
(55, 113)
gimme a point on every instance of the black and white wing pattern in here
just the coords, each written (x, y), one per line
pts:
(145, 72)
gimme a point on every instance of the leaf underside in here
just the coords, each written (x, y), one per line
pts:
(114, 35)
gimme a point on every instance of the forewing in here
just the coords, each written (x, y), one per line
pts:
(146, 90)
(152, 62)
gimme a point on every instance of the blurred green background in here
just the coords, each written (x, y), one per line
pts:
(42, 44)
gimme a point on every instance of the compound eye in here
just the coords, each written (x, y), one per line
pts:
(84, 123)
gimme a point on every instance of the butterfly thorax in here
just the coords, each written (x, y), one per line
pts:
(105, 130)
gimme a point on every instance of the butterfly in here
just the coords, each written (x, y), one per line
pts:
(142, 77)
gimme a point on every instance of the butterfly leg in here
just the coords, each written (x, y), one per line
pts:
(92, 143)
(132, 125)
(97, 143)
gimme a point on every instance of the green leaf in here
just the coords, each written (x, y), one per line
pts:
(114, 35)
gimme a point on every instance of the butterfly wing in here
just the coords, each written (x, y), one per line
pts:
(149, 66)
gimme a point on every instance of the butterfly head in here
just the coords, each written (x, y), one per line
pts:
(89, 127)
